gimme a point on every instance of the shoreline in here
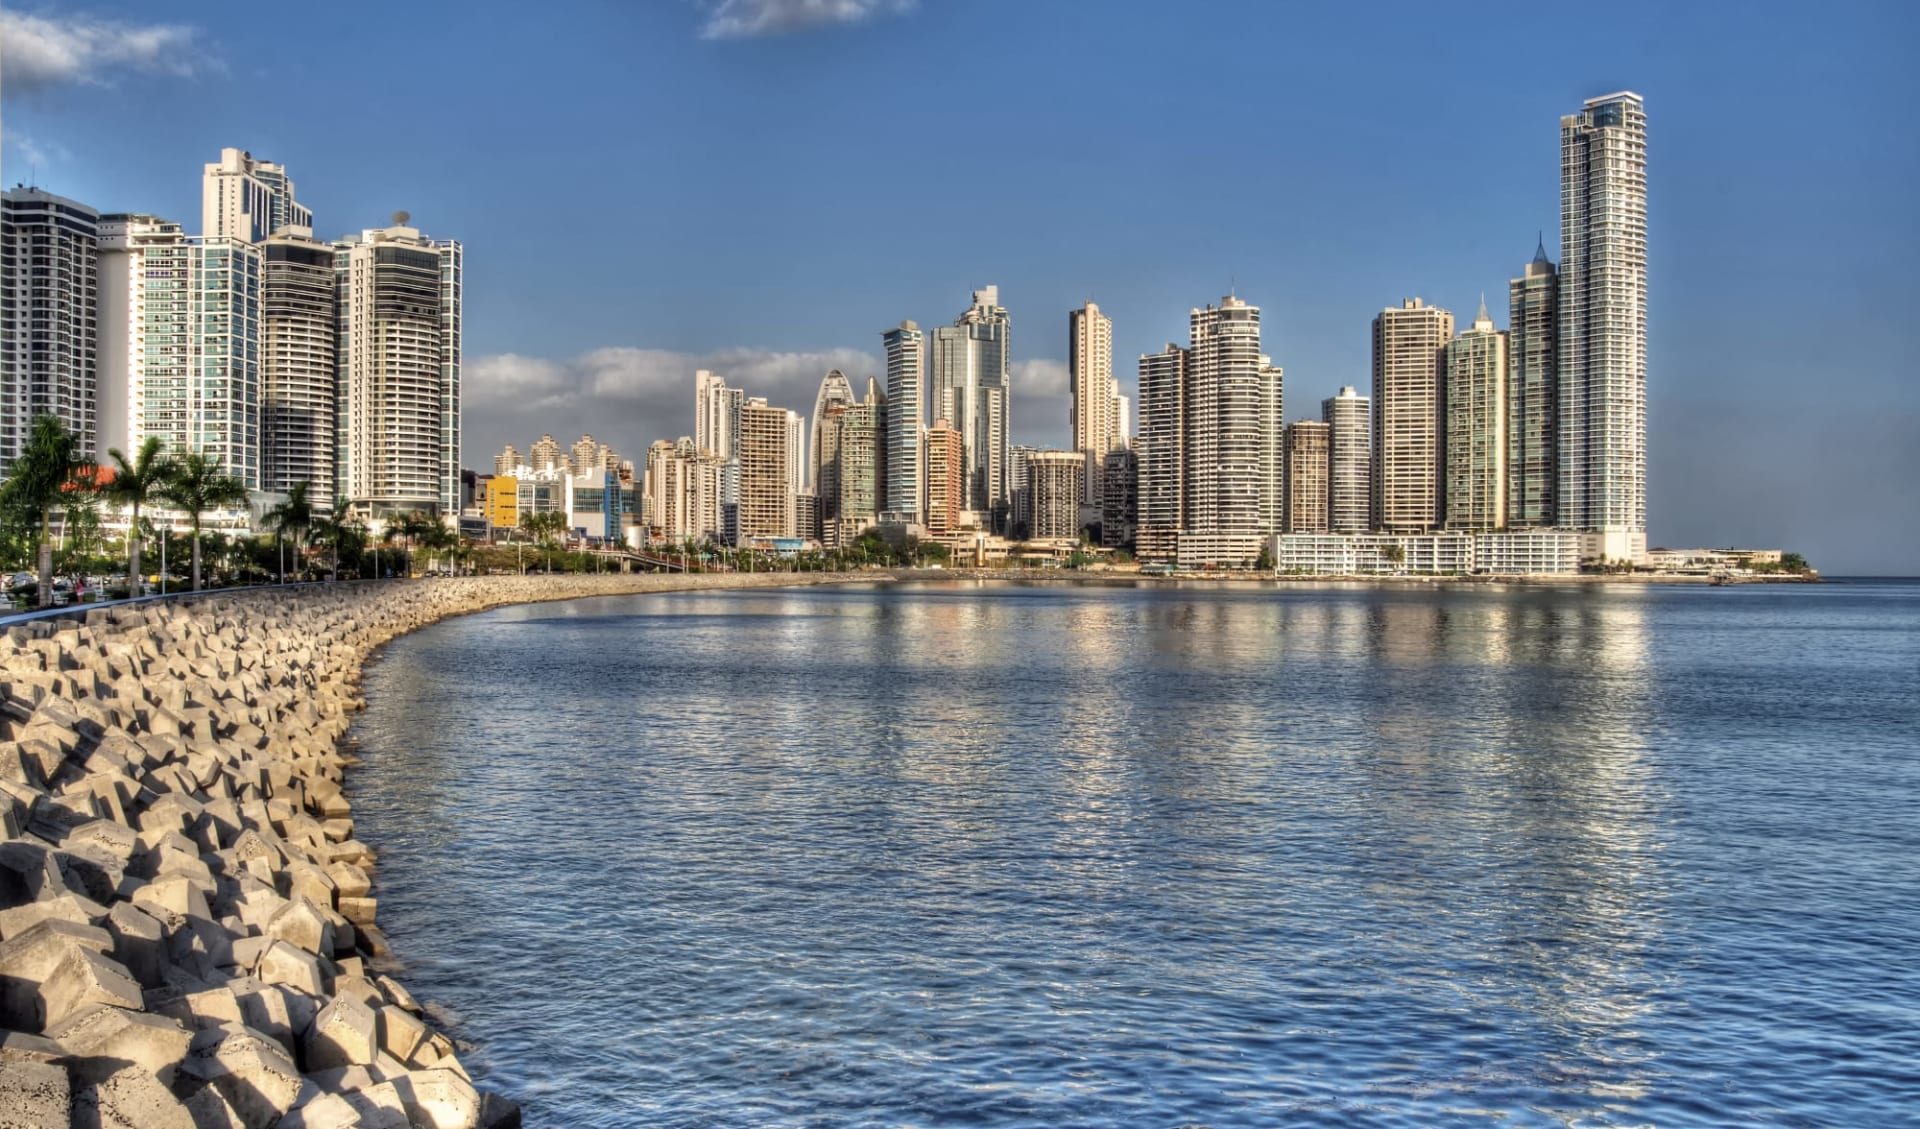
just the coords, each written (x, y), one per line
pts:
(1059, 575)
(188, 926)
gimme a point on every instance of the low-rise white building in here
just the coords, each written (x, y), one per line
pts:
(1531, 552)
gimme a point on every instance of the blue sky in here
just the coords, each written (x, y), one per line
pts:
(763, 186)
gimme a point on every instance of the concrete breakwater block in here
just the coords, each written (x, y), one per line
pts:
(186, 916)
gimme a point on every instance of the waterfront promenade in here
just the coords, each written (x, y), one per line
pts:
(187, 921)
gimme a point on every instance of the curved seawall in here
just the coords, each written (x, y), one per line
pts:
(187, 936)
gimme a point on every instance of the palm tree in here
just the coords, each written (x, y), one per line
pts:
(293, 517)
(136, 484)
(198, 484)
(43, 472)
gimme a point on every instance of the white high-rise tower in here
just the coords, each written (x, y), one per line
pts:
(1092, 403)
(248, 200)
(1602, 394)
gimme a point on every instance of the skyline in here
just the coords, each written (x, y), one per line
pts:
(808, 271)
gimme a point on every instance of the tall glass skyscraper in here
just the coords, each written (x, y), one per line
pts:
(1602, 438)
(1533, 303)
(971, 389)
(906, 358)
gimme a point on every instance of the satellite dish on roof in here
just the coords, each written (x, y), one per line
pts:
(400, 218)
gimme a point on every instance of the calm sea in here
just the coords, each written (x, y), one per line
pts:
(952, 854)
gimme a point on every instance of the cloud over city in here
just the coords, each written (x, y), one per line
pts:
(746, 19)
(41, 52)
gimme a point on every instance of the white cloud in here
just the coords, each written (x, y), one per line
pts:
(628, 397)
(744, 19)
(1040, 378)
(40, 52)
(40, 156)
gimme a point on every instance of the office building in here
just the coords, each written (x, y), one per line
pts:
(766, 472)
(49, 317)
(1533, 302)
(1476, 415)
(1601, 442)
(299, 387)
(1056, 486)
(399, 296)
(834, 389)
(1307, 451)
(1161, 511)
(1409, 369)
(905, 348)
(970, 387)
(1091, 399)
(1349, 420)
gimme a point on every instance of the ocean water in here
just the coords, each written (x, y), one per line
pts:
(957, 854)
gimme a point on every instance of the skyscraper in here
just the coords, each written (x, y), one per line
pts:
(1055, 482)
(298, 375)
(1162, 474)
(852, 482)
(971, 388)
(507, 461)
(1409, 366)
(905, 349)
(399, 319)
(1532, 330)
(248, 200)
(766, 471)
(1307, 448)
(716, 431)
(946, 464)
(546, 454)
(49, 317)
(1476, 415)
(1091, 405)
(146, 325)
(1119, 499)
(1233, 432)
(1602, 437)
(1349, 421)
(834, 389)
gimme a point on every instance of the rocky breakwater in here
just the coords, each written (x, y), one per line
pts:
(187, 934)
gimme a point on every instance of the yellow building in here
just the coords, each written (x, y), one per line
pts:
(503, 501)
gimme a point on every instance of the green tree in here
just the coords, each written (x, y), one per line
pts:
(138, 483)
(1264, 562)
(198, 484)
(1394, 554)
(291, 520)
(41, 476)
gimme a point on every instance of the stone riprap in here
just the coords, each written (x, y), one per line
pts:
(187, 932)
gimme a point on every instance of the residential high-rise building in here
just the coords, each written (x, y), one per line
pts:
(800, 468)
(1349, 421)
(546, 454)
(1119, 500)
(299, 376)
(49, 317)
(716, 430)
(1233, 430)
(248, 200)
(1022, 521)
(946, 474)
(1308, 447)
(1091, 406)
(584, 455)
(682, 492)
(766, 472)
(834, 389)
(1602, 436)
(906, 358)
(1162, 453)
(1056, 484)
(146, 326)
(399, 320)
(1476, 415)
(507, 461)
(1122, 419)
(1533, 302)
(971, 388)
(1409, 368)
(852, 482)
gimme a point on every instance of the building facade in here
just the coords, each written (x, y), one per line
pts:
(946, 479)
(1162, 488)
(399, 296)
(766, 472)
(1308, 447)
(1092, 402)
(835, 389)
(1231, 455)
(49, 317)
(1533, 302)
(1349, 420)
(905, 348)
(298, 370)
(1476, 415)
(971, 387)
(852, 467)
(248, 200)
(1056, 482)
(1409, 370)
(1119, 497)
(1601, 442)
